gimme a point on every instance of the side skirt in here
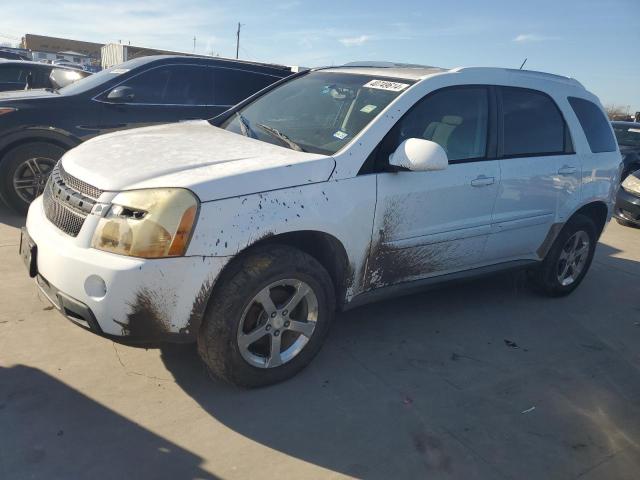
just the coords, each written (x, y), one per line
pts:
(415, 286)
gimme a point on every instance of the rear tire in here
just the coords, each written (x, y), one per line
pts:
(24, 171)
(238, 336)
(569, 258)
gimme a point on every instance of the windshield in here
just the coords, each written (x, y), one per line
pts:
(97, 79)
(319, 112)
(627, 136)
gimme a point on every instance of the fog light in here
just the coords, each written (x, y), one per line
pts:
(95, 287)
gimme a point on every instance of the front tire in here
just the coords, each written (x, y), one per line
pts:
(569, 258)
(24, 171)
(268, 317)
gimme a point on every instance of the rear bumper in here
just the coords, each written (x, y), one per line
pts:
(627, 207)
(114, 295)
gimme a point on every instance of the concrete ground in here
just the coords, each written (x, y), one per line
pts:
(480, 380)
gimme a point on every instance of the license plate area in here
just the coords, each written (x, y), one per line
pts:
(28, 252)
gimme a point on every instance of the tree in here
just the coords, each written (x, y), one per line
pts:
(617, 112)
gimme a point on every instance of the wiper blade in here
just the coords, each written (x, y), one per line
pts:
(244, 125)
(282, 137)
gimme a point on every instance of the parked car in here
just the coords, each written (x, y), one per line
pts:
(627, 211)
(331, 189)
(6, 54)
(628, 137)
(37, 127)
(22, 75)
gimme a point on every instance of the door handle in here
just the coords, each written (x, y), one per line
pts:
(482, 181)
(567, 170)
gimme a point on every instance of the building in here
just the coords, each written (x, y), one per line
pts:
(116, 53)
(48, 49)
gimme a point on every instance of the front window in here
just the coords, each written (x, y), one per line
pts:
(320, 112)
(627, 136)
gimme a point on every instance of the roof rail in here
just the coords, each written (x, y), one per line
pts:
(377, 64)
(530, 73)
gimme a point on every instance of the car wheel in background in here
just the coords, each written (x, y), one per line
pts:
(268, 317)
(624, 223)
(569, 258)
(24, 171)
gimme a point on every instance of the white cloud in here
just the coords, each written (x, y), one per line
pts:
(354, 41)
(532, 37)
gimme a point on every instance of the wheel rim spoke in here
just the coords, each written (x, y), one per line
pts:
(573, 257)
(275, 356)
(302, 289)
(264, 299)
(250, 338)
(305, 328)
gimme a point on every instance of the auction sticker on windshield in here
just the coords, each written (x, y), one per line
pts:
(386, 85)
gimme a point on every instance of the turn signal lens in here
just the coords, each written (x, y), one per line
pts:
(151, 223)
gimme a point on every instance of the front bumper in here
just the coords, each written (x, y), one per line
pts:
(627, 207)
(147, 300)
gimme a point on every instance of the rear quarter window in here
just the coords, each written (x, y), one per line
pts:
(594, 124)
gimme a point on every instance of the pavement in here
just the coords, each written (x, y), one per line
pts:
(481, 380)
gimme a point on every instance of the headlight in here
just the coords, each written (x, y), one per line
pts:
(151, 223)
(632, 184)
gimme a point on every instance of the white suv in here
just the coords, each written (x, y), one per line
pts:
(332, 188)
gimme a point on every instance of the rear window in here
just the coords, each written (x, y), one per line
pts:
(595, 125)
(532, 123)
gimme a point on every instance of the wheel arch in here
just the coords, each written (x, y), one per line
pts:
(596, 211)
(57, 137)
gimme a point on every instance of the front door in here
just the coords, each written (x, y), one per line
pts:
(432, 223)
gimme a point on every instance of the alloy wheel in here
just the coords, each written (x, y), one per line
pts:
(573, 258)
(278, 323)
(31, 176)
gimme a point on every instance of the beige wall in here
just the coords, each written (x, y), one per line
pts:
(42, 43)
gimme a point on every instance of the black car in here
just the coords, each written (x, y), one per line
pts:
(37, 126)
(21, 75)
(11, 55)
(628, 137)
(627, 210)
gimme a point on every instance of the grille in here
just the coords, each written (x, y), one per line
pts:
(67, 201)
(78, 185)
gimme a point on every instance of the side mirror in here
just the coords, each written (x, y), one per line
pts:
(419, 155)
(121, 94)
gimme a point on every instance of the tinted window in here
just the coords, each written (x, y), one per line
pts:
(595, 125)
(454, 118)
(173, 85)
(13, 75)
(533, 124)
(233, 86)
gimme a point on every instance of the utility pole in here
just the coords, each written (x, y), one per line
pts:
(194, 44)
(238, 40)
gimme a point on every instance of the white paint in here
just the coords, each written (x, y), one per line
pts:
(251, 189)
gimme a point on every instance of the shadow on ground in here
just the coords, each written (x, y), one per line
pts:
(478, 380)
(9, 217)
(48, 426)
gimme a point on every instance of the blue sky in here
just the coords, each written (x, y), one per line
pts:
(596, 42)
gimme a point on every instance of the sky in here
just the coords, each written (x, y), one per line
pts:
(594, 41)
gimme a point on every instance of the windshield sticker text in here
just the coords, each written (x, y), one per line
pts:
(386, 85)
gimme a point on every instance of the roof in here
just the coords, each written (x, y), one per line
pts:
(388, 69)
(418, 72)
(4, 61)
(71, 52)
(191, 58)
(623, 123)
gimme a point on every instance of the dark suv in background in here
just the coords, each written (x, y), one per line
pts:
(38, 126)
(22, 75)
(628, 138)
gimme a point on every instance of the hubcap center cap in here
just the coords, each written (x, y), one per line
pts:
(278, 322)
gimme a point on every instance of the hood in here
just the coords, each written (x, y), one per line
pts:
(27, 94)
(210, 161)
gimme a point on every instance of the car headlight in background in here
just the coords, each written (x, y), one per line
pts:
(632, 184)
(151, 223)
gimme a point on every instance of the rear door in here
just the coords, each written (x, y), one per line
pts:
(540, 173)
(432, 223)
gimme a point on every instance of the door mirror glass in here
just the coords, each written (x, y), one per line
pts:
(121, 94)
(417, 154)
